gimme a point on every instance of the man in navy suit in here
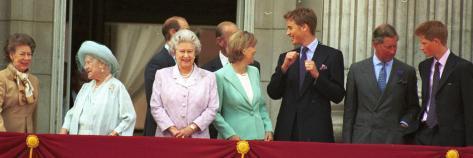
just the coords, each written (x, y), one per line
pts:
(307, 79)
(160, 60)
(446, 117)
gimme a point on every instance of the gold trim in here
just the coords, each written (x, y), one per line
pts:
(243, 147)
(32, 141)
(452, 153)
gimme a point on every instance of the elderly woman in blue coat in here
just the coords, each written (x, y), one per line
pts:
(103, 105)
(242, 114)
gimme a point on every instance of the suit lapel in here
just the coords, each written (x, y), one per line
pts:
(254, 86)
(371, 79)
(170, 60)
(448, 69)
(319, 59)
(218, 64)
(424, 68)
(230, 75)
(296, 68)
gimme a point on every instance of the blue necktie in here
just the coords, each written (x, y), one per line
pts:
(382, 78)
(431, 114)
(302, 66)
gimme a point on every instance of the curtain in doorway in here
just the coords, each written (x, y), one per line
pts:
(134, 45)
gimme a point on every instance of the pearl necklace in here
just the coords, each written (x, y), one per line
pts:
(188, 74)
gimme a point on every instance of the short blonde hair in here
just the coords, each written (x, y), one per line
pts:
(237, 43)
(185, 35)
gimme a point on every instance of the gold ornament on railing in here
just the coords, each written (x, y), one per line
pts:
(243, 147)
(452, 153)
(32, 142)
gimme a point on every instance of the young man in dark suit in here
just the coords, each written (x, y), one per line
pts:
(307, 79)
(381, 102)
(160, 60)
(446, 117)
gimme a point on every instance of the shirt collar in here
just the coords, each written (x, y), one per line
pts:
(223, 58)
(376, 60)
(312, 45)
(168, 48)
(443, 59)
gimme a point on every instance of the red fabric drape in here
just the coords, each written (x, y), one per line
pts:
(13, 145)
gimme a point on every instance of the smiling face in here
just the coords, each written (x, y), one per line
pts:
(21, 57)
(295, 32)
(185, 54)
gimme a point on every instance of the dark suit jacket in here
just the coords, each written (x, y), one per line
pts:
(372, 116)
(160, 60)
(454, 101)
(215, 64)
(310, 106)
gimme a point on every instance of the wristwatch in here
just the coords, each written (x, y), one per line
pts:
(193, 127)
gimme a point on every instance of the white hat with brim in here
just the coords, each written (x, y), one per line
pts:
(99, 51)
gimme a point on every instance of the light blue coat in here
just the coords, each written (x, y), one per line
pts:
(107, 108)
(236, 115)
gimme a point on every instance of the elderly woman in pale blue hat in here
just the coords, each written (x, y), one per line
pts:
(103, 105)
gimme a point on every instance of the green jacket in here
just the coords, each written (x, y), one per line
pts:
(236, 115)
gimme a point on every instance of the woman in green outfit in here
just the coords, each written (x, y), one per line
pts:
(242, 114)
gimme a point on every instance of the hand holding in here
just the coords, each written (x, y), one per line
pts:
(63, 131)
(311, 67)
(185, 132)
(114, 133)
(289, 59)
(174, 131)
(234, 137)
(268, 136)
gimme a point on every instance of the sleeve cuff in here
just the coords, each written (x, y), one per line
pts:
(404, 123)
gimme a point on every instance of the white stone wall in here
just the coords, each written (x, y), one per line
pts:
(270, 30)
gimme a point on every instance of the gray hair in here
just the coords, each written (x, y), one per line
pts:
(382, 31)
(185, 35)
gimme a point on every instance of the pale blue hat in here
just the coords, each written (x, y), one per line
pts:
(100, 51)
